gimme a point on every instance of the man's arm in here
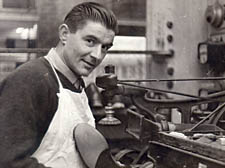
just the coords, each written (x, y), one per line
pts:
(24, 118)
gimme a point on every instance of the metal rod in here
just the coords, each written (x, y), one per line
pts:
(24, 50)
(41, 50)
(167, 80)
(151, 52)
(164, 91)
(207, 117)
(128, 52)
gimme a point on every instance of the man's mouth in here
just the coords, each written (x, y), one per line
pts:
(89, 63)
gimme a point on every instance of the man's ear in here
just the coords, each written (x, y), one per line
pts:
(63, 33)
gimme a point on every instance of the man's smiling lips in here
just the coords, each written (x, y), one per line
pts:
(92, 65)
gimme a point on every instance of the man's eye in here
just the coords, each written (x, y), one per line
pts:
(90, 41)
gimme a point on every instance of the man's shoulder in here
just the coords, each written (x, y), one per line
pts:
(33, 69)
(37, 67)
(39, 64)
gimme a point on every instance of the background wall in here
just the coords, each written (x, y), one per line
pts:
(188, 29)
(130, 13)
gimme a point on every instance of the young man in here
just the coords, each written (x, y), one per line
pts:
(42, 101)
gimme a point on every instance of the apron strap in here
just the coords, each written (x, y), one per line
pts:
(57, 77)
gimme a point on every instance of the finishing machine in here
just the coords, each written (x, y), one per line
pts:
(142, 134)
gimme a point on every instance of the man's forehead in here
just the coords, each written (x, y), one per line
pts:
(97, 30)
(96, 26)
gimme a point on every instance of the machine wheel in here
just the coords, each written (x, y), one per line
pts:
(134, 158)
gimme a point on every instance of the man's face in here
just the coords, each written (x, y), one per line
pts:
(86, 48)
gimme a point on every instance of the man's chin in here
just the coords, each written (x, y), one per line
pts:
(86, 73)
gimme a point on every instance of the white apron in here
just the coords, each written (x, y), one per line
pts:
(57, 149)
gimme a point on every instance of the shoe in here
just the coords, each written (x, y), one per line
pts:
(93, 148)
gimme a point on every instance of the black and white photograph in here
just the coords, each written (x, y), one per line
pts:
(112, 83)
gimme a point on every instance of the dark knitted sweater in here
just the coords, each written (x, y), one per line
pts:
(28, 103)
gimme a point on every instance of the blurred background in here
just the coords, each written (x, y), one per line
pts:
(34, 24)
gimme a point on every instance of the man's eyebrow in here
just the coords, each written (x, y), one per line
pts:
(98, 40)
(92, 36)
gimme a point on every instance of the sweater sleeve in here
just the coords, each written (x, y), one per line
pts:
(25, 114)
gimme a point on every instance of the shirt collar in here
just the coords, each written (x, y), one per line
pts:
(61, 66)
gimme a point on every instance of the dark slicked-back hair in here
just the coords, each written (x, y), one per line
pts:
(78, 16)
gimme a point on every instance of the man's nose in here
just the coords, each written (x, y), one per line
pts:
(97, 52)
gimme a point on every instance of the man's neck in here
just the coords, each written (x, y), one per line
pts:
(55, 58)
